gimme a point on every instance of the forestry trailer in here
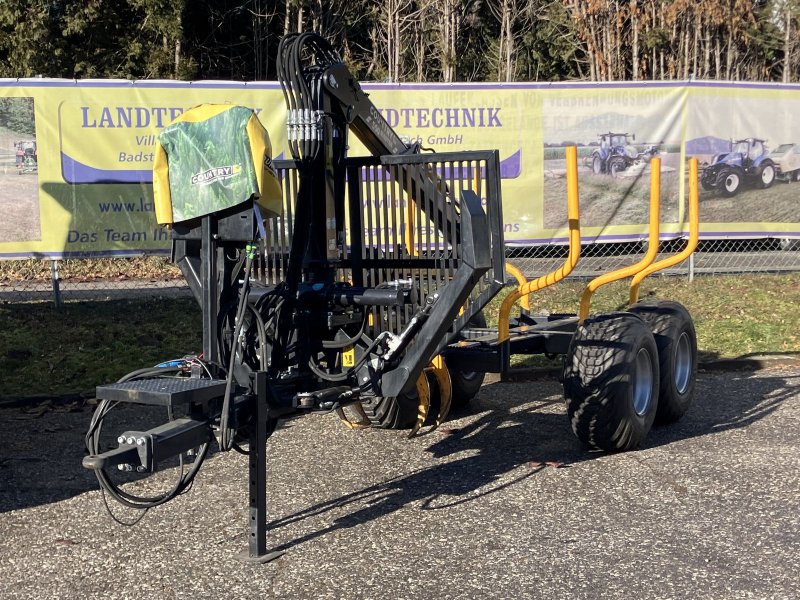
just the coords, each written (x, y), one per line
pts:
(355, 285)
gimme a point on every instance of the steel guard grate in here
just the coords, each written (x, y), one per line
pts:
(403, 216)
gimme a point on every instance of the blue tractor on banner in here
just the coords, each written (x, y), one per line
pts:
(747, 163)
(616, 154)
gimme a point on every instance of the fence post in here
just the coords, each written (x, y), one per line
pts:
(691, 267)
(54, 279)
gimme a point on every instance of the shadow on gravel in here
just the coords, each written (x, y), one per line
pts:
(41, 450)
(42, 446)
(40, 455)
(511, 438)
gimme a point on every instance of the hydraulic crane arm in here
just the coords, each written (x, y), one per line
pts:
(364, 118)
(318, 86)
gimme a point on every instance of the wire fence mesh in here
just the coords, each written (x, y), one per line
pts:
(153, 276)
(712, 257)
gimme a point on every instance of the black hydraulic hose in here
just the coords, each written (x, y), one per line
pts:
(226, 432)
(261, 334)
(333, 344)
(93, 446)
(301, 84)
(294, 269)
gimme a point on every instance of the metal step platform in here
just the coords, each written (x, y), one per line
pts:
(163, 391)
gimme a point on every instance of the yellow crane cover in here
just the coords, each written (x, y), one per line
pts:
(213, 157)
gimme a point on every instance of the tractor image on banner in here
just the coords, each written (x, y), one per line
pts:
(747, 163)
(617, 154)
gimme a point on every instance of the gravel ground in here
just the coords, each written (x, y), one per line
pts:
(709, 508)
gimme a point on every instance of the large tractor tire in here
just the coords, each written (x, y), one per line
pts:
(386, 412)
(767, 177)
(611, 380)
(676, 341)
(729, 182)
(708, 184)
(392, 413)
(467, 384)
(401, 412)
(616, 166)
(597, 164)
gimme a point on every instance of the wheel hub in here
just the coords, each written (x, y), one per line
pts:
(683, 363)
(642, 382)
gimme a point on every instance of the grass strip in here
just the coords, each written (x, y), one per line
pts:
(48, 351)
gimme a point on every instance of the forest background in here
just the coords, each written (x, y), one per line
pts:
(407, 40)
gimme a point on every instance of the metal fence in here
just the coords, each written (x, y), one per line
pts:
(712, 257)
(51, 283)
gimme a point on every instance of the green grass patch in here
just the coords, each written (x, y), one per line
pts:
(733, 315)
(44, 350)
(89, 269)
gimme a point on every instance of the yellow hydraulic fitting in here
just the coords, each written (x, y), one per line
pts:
(694, 234)
(652, 245)
(573, 216)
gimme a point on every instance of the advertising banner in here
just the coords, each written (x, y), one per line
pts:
(76, 158)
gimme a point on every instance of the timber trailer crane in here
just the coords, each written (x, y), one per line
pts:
(361, 294)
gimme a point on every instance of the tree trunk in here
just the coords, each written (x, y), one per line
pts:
(695, 44)
(446, 35)
(787, 45)
(635, 40)
(729, 55)
(509, 40)
(686, 55)
(396, 70)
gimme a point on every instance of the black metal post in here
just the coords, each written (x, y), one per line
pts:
(56, 283)
(210, 287)
(257, 531)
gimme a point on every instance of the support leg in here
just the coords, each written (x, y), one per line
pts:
(257, 480)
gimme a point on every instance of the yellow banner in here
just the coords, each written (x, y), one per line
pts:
(76, 157)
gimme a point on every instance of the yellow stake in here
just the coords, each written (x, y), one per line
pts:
(573, 216)
(524, 302)
(410, 247)
(694, 234)
(652, 245)
(445, 385)
(424, 403)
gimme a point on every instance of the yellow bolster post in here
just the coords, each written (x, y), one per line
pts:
(694, 235)
(521, 280)
(652, 245)
(573, 216)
